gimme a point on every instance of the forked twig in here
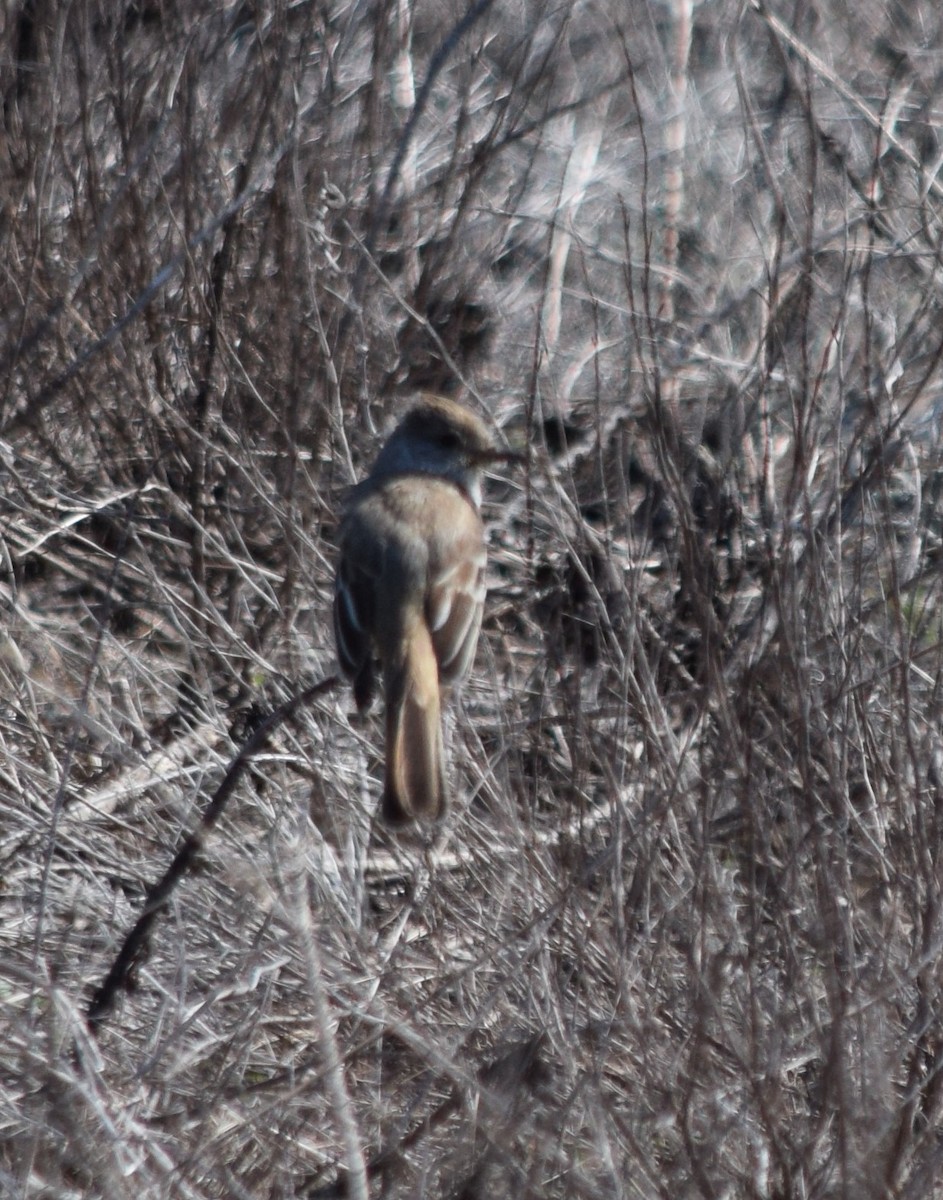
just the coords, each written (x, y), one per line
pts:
(159, 893)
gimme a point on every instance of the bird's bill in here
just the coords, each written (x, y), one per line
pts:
(485, 457)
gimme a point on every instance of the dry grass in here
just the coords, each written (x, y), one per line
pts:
(680, 935)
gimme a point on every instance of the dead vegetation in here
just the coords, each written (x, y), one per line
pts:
(680, 936)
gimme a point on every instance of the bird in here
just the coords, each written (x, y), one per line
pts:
(410, 588)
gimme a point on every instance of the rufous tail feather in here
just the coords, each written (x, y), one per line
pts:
(415, 781)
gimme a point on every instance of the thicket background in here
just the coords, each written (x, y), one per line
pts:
(681, 934)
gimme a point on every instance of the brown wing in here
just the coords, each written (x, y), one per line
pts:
(455, 597)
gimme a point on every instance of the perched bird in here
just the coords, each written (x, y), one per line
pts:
(410, 589)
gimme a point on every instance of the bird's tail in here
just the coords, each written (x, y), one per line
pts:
(415, 779)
